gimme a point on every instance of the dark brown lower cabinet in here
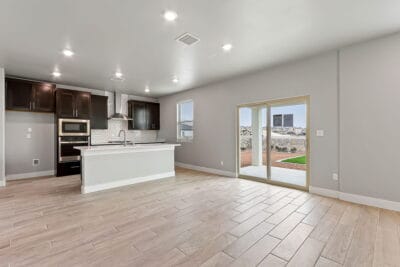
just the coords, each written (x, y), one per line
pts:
(68, 168)
(99, 117)
(145, 115)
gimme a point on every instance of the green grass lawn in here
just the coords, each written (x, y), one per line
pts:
(297, 160)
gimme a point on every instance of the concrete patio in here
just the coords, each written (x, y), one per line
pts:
(289, 176)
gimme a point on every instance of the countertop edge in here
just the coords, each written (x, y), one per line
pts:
(102, 150)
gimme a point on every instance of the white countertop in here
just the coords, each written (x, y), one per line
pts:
(110, 149)
(112, 142)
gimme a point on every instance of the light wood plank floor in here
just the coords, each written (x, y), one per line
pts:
(193, 219)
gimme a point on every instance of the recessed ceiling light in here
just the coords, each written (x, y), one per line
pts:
(175, 80)
(118, 74)
(170, 15)
(56, 73)
(68, 53)
(227, 47)
(147, 90)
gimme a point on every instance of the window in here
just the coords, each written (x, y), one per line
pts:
(185, 120)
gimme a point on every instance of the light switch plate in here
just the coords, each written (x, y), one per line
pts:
(29, 130)
(320, 133)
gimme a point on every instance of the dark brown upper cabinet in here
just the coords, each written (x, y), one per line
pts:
(44, 97)
(99, 117)
(145, 115)
(137, 111)
(25, 95)
(83, 100)
(73, 104)
(153, 119)
(65, 103)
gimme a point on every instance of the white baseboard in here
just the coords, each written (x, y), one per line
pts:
(205, 169)
(29, 175)
(376, 202)
(100, 187)
(324, 192)
(359, 199)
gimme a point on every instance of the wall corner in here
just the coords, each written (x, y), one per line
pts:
(2, 131)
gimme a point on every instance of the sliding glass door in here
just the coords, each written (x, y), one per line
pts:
(273, 142)
(253, 141)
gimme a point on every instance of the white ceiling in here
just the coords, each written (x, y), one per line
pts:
(132, 36)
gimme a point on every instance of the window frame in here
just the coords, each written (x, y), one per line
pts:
(180, 138)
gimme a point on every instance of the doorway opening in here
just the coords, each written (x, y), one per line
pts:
(273, 138)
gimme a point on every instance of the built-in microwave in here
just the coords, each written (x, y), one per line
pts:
(73, 127)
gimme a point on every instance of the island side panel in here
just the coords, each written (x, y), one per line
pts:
(104, 171)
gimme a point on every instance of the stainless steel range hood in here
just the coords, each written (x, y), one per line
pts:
(118, 113)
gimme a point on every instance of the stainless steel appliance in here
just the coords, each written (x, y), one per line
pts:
(66, 144)
(71, 133)
(73, 127)
(118, 113)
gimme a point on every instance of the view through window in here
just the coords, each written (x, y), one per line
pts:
(185, 120)
(277, 152)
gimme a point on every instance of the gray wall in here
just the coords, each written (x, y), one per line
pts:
(2, 118)
(370, 118)
(215, 114)
(357, 108)
(20, 151)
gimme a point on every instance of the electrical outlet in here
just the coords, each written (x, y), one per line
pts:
(35, 162)
(335, 176)
(320, 133)
(28, 136)
(222, 163)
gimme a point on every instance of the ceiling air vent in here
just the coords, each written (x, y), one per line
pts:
(117, 79)
(187, 39)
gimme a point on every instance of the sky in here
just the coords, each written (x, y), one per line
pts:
(187, 111)
(298, 111)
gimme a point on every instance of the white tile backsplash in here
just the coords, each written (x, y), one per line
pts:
(111, 134)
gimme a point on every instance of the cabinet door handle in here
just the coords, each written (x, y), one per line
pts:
(30, 105)
(76, 112)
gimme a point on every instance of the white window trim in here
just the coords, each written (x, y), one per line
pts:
(178, 108)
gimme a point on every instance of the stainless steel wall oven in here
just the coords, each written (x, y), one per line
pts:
(71, 133)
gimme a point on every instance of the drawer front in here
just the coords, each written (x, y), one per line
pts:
(68, 168)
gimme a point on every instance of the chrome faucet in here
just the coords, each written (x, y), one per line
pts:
(119, 135)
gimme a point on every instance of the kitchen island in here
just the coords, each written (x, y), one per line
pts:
(105, 167)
